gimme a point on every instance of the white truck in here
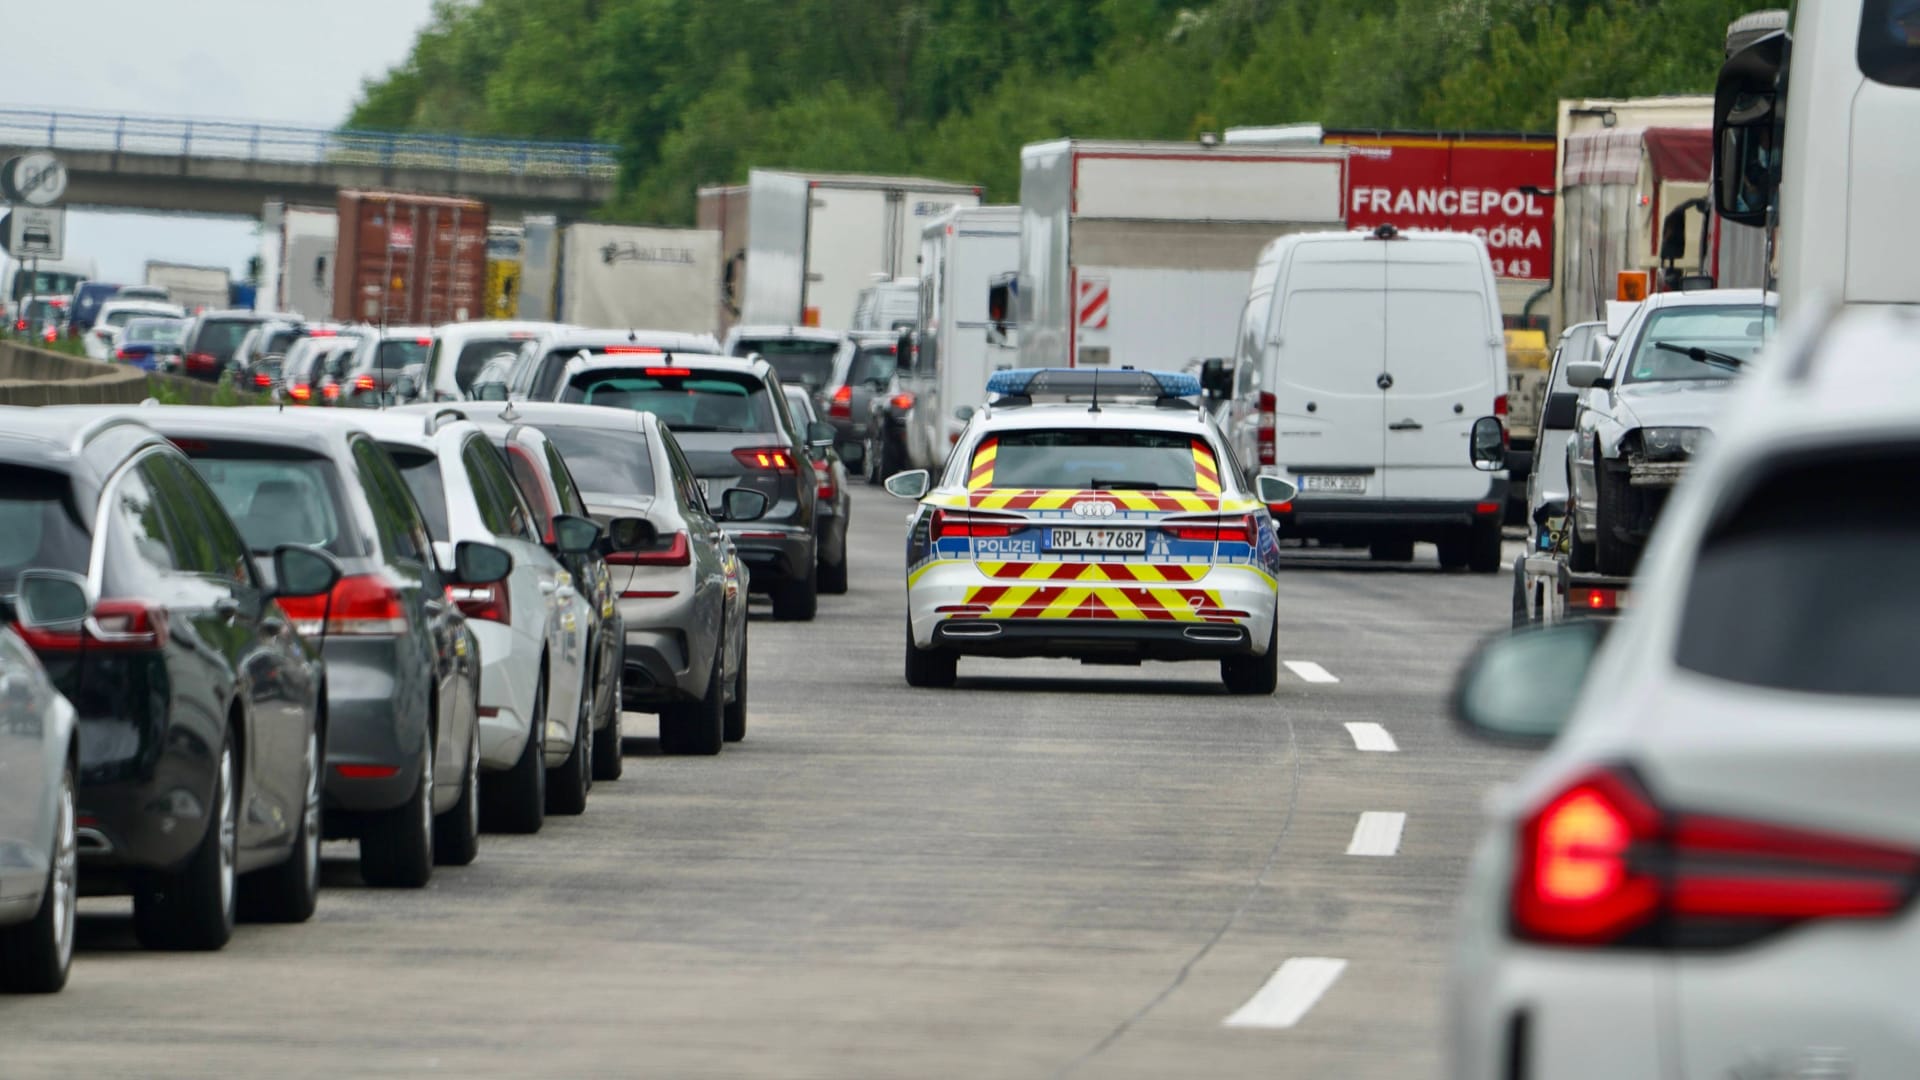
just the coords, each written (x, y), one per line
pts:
(297, 247)
(967, 260)
(1140, 253)
(801, 246)
(635, 277)
(196, 288)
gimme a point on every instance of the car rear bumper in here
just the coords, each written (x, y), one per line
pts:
(656, 670)
(1322, 516)
(775, 554)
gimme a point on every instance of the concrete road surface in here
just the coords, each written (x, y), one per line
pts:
(1052, 870)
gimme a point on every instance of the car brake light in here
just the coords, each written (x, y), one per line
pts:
(766, 459)
(300, 393)
(902, 400)
(366, 772)
(262, 379)
(633, 350)
(423, 342)
(123, 354)
(1601, 864)
(364, 382)
(114, 626)
(842, 405)
(359, 606)
(678, 552)
(1594, 599)
(199, 361)
(953, 523)
(1233, 530)
(1264, 435)
(668, 372)
(1500, 406)
(823, 472)
(20, 326)
(322, 333)
(487, 603)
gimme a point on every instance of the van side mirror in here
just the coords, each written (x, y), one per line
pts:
(1489, 444)
(1216, 378)
(1749, 114)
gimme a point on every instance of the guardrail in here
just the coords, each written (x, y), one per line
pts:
(243, 140)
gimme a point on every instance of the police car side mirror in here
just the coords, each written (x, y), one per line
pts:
(1274, 490)
(913, 484)
(963, 414)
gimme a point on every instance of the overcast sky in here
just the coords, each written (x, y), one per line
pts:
(266, 60)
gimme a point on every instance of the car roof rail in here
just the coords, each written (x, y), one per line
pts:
(100, 425)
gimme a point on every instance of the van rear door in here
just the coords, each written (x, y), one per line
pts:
(1329, 347)
(1444, 360)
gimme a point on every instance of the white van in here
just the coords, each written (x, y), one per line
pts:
(1363, 361)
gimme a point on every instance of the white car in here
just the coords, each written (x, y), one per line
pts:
(1711, 872)
(460, 350)
(540, 364)
(532, 627)
(1116, 534)
(115, 314)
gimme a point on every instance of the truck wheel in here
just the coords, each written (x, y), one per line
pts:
(1394, 550)
(1483, 551)
(1613, 556)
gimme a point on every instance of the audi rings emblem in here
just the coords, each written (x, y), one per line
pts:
(1093, 508)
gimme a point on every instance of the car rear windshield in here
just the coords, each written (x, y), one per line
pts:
(474, 356)
(124, 316)
(606, 462)
(155, 331)
(873, 364)
(1809, 584)
(280, 341)
(40, 527)
(398, 353)
(689, 400)
(808, 363)
(1734, 330)
(1091, 459)
(222, 337)
(277, 495)
(422, 473)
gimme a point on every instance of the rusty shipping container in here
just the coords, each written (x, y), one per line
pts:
(413, 260)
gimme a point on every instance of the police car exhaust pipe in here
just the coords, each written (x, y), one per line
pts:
(1213, 633)
(972, 630)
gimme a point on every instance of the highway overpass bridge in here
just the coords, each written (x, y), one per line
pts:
(232, 168)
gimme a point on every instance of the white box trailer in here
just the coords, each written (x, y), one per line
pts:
(638, 277)
(196, 288)
(965, 255)
(814, 240)
(297, 247)
(1140, 253)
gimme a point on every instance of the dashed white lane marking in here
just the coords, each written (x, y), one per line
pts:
(1310, 671)
(1377, 833)
(1290, 994)
(1372, 737)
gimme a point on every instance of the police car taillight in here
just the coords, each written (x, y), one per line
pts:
(957, 524)
(1242, 530)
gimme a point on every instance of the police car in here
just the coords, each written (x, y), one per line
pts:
(1095, 515)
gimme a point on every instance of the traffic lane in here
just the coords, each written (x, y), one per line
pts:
(879, 881)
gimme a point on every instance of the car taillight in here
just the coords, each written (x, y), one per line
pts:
(766, 459)
(114, 626)
(1500, 406)
(1232, 530)
(667, 372)
(677, 552)
(300, 393)
(842, 405)
(488, 603)
(633, 350)
(364, 382)
(1601, 864)
(199, 361)
(263, 379)
(1593, 599)
(956, 523)
(902, 400)
(331, 391)
(124, 354)
(20, 327)
(362, 605)
(823, 472)
(1264, 435)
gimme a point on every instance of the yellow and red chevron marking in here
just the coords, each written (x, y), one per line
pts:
(1070, 602)
(981, 477)
(1141, 501)
(1104, 572)
(1206, 471)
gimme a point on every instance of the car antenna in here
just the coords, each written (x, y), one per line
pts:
(509, 414)
(1095, 407)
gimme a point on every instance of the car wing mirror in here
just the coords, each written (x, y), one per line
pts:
(475, 563)
(912, 484)
(1274, 490)
(743, 504)
(820, 434)
(630, 534)
(301, 571)
(1522, 689)
(574, 535)
(45, 598)
(1583, 374)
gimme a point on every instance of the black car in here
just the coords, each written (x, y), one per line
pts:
(731, 418)
(199, 704)
(213, 343)
(403, 670)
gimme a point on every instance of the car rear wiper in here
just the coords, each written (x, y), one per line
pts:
(1133, 485)
(1703, 356)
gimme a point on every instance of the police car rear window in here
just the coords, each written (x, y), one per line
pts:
(1095, 459)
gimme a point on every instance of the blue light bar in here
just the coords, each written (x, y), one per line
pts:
(1109, 382)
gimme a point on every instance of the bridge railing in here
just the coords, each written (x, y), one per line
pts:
(291, 144)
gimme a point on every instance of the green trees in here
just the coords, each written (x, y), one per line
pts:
(698, 91)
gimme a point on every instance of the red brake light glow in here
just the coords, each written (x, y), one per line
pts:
(766, 459)
(367, 772)
(1264, 434)
(114, 626)
(902, 400)
(487, 603)
(668, 372)
(958, 524)
(262, 379)
(362, 605)
(1500, 405)
(364, 382)
(842, 405)
(633, 350)
(1232, 530)
(300, 393)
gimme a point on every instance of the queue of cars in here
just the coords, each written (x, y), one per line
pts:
(231, 634)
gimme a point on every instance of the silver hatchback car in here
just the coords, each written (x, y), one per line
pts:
(39, 862)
